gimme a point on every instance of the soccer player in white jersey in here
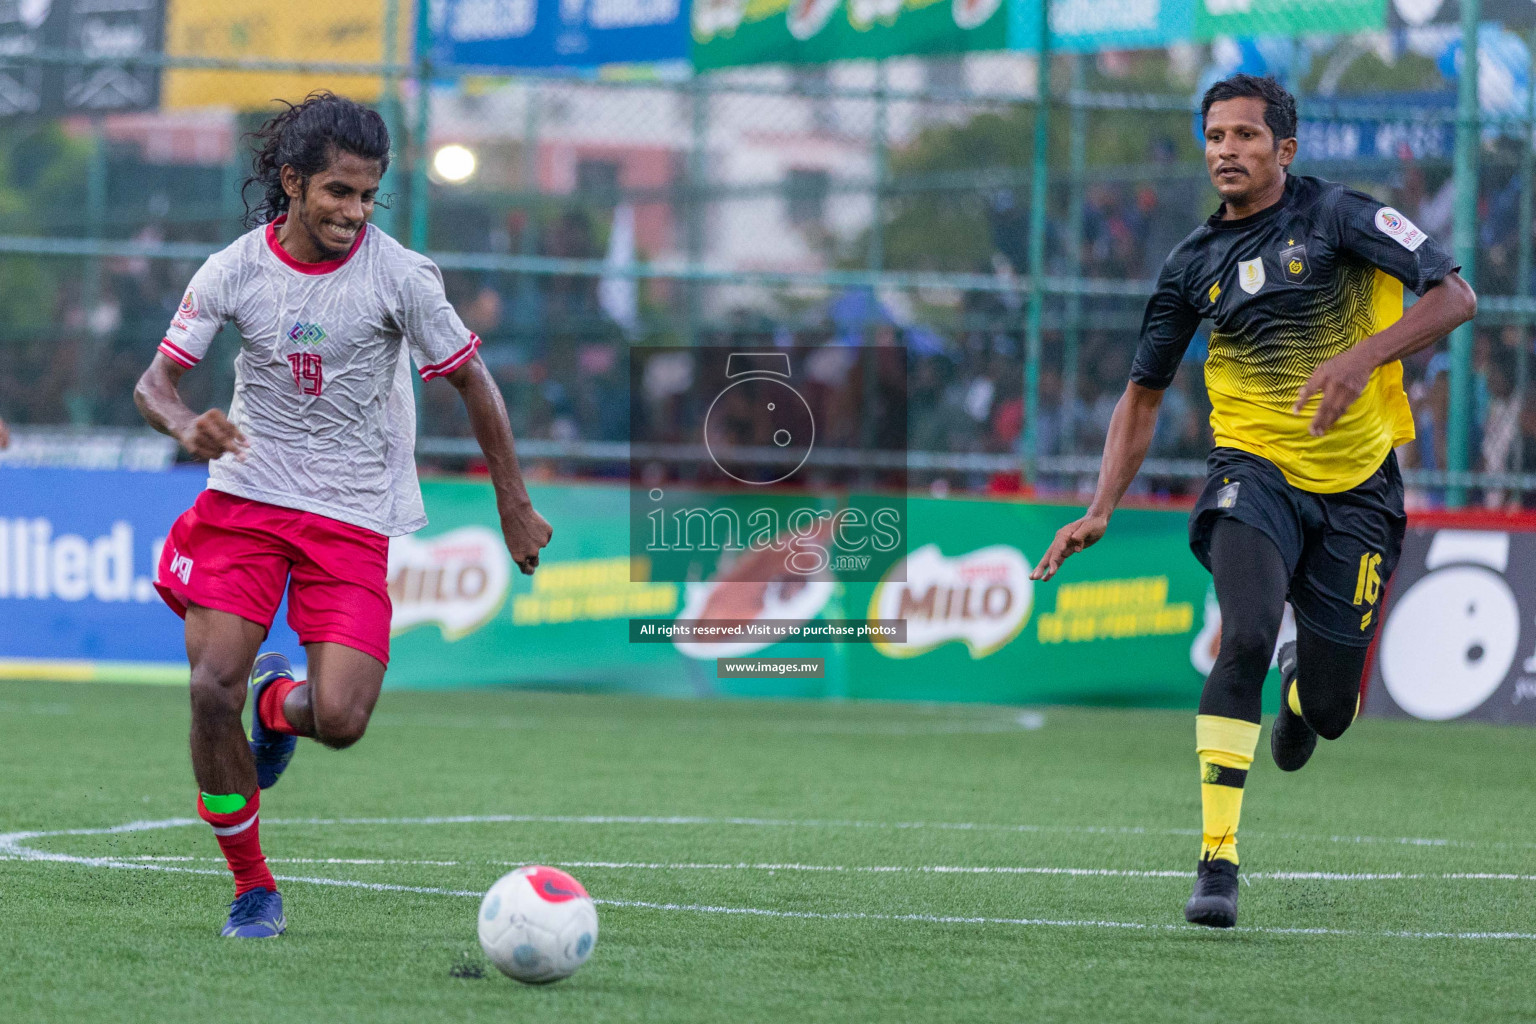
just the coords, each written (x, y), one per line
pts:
(313, 469)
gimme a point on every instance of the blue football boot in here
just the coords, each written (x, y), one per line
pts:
(273, 750)
(256, 915)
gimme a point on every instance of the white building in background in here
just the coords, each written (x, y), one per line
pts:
(792, 171)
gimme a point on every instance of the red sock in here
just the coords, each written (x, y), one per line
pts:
(238, 836)
(270, 707)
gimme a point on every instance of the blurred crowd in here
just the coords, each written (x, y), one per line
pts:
(559, 352)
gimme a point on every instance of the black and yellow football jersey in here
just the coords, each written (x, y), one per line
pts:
(1286, 289)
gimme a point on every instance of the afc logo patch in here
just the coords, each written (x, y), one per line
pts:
(1293, 262)
(1227, 496)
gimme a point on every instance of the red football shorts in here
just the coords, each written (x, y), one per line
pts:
(235, 555)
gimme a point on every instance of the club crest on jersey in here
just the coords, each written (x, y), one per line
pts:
(307, 334)
(1250, 275)
(188, 308)
(1293, 262)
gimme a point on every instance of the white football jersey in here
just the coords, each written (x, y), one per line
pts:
(321, 390)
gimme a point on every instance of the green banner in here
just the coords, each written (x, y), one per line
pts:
(1089, 26)
(730, 33)
(1126, 622)
(1286, 17)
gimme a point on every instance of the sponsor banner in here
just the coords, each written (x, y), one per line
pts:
(1286, 17)
(78, 550)
(464, 616)
(1088, 26)
(1456, 640)
(558, 33)
(729, 33)
(1118, 625)
(1418, 13)
(91, 28)
(1115, 625)
(287, 30)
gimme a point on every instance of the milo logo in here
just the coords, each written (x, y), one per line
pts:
(458, 580)
(863, 14)
(980, 599)
(717, 18)
(969, 14)
(808, 17)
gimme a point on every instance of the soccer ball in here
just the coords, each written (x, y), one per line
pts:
(537, 925)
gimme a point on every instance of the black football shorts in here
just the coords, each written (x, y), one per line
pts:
(1339, 549)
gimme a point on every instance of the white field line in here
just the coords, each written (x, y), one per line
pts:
(808, 823)
(12, 847)
(1025, 721)
(1050, 923)
(834, 823)
(916, 869)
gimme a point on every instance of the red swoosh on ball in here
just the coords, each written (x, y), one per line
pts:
(555, 886)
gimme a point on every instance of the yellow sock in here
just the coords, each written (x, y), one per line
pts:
(1225, 747)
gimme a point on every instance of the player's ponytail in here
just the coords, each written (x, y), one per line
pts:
(307, 136)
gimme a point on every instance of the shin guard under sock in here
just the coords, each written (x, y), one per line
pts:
(238, 834)
(1225, 747)
(270, 707)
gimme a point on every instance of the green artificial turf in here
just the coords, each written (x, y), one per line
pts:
(737, 800)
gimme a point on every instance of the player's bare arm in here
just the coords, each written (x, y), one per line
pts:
(5, 435)
(1130, 434)
(1342, 379)
(206, 436)
(525, 531)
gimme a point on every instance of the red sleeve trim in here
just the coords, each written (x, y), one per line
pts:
(179, 355)
(454, 361)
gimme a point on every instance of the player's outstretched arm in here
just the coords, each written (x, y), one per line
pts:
(1342, 379)
(5, 435)
(524, 529)
(207, 436)
(1130, 434)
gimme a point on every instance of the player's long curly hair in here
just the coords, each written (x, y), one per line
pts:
(307, 136)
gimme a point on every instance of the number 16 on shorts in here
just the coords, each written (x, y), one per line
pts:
(1368, 586)
(308, 373)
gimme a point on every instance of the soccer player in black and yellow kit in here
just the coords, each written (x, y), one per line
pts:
(1303, 281)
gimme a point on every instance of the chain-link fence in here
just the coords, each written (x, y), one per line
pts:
(856, 204)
